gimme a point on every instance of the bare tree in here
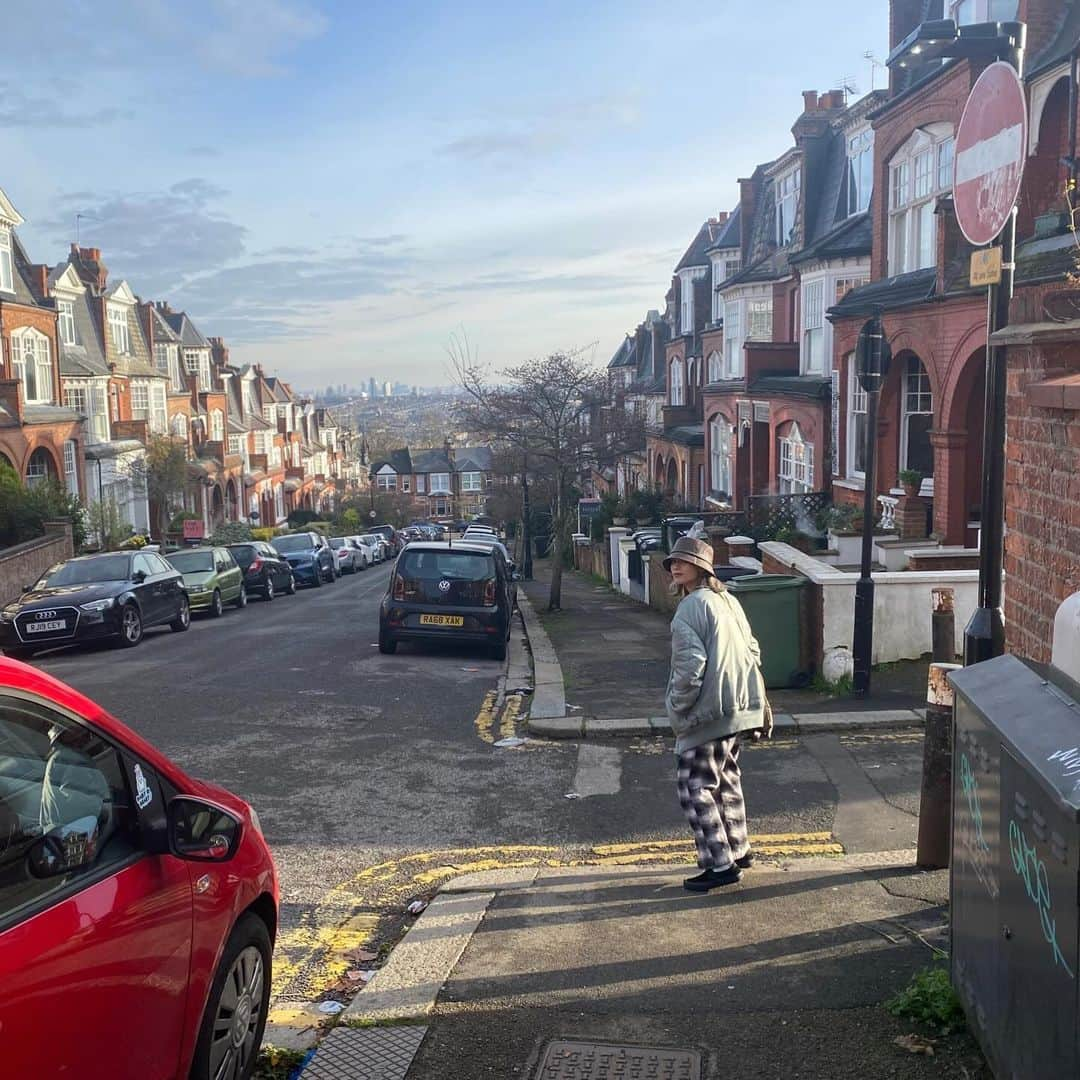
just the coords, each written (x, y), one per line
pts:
(552, 411)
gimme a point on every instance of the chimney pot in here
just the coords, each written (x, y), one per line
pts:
(810, 100)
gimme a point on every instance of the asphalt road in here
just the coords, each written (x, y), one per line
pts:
(372, 775)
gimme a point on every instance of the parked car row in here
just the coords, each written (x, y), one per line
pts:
(122, 594)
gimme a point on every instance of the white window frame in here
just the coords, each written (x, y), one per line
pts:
(406, 485)
(30, 353)
(733, 339)
(421, 484)
(386, 481)
(759, 318)
(721, 472)
(796, 470)
(472, 481)
(919, 172)
(180, 427)
(119, 330)
(71, 466)
(217, 426)
(788, 189)
(917, 399)
(716, 366)
(7, 263)
(65, 321)
(686, 294)
(234, 445)
(440, 482)
(270, 414)
(676, 383)
(140, 400)
(857, 404)
(36, 471)
(813, 333)
(860, 171)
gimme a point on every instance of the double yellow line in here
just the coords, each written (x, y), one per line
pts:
(314, 956)
(488, 717)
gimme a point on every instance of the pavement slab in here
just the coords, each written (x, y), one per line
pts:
(780, 976)
(366, 1053)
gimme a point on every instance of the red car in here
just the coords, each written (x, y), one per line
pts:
(138, 906)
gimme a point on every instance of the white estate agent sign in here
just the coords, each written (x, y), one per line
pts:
(990, 147)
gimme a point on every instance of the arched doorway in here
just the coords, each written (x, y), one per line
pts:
(232, 501)
(671, 485)
(5, 460)
(41, 468)
(658, 475)
(217, 507)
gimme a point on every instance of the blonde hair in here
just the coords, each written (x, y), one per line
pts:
(704, 581)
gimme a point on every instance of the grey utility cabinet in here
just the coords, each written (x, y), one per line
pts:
(1015, 867)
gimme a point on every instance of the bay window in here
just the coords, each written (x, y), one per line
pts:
(965, 12)
(387, 481)
(234, 445)
(71, 467)
(440, 482)
(759, 320)
(919, 172)
(686, 291)
(720, 436)
(33, 365)
(217, 426)
(813, 312)
(733, 341)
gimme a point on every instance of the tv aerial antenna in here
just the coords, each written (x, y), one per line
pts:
(875, 63)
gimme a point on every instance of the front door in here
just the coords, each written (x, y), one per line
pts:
(94, 951)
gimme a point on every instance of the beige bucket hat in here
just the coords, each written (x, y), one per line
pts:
(696, 552)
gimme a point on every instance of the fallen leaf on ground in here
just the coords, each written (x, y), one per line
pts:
(915, 1044)
(361, 956)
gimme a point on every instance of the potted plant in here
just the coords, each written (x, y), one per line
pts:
(911, 480)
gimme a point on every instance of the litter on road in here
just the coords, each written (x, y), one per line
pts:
(514, 740)
(332, 1008)
(416, 907)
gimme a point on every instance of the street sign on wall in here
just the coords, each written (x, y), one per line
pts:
(989, 158)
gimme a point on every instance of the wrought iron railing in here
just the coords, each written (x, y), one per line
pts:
(772, 514)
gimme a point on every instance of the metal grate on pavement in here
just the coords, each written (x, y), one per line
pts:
(565, 1060)
(378, 1053)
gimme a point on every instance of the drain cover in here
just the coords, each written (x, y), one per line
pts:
(606, 1061)
(365, 1053)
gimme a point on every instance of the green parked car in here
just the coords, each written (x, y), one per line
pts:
(211, 577)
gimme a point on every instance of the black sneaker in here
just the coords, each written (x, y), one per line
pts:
(746, 861)
(712, 879)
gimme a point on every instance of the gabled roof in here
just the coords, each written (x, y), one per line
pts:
(474, 459)
(1061, 42)
(86, 358)
(624, 354)
(8, 214)
(186, 330)
(696, 253)
(730, 235)
(399, 461)
(162, 331)
(430, 461)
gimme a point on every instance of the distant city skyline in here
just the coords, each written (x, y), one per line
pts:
(347, 204)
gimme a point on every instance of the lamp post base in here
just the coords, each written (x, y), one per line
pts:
(984, 636)
(863, 643)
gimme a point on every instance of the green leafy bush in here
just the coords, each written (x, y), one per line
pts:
(24, 510)
(299, 518)
(930, 999)
(233, 532)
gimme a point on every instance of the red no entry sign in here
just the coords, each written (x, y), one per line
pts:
(991, 145)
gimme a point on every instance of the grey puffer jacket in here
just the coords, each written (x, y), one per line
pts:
(715, 689)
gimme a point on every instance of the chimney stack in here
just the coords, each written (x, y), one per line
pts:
(810, 101)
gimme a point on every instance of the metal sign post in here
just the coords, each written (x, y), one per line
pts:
(991, 145)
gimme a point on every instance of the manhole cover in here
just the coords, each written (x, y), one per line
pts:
(607, 1061)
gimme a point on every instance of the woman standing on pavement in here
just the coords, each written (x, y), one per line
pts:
(715, 693)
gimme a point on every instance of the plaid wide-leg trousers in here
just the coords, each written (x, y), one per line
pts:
(710, 793)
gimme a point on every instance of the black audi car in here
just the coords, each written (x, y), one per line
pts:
(118, 595)
(449, 592)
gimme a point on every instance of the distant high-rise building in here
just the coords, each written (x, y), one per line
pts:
(388, 389)
(371, 387)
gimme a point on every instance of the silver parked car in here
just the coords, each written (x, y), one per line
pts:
(346, 555)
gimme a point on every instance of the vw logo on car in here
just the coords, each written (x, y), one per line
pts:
(444, 585)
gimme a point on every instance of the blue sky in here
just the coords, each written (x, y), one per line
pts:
(337, 188)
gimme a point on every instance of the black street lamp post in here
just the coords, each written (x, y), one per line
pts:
(872, 357)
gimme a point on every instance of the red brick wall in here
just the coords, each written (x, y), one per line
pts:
(1042, 490)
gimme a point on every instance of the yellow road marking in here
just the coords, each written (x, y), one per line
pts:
(508, 725)
(485, 718)
(328, 939)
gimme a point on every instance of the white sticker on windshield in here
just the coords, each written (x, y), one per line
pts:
(143, 795)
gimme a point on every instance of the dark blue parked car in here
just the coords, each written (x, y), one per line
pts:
(310, 556)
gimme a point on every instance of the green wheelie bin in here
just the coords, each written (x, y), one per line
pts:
(772, 603)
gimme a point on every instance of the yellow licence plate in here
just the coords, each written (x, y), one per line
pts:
(442, 620)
